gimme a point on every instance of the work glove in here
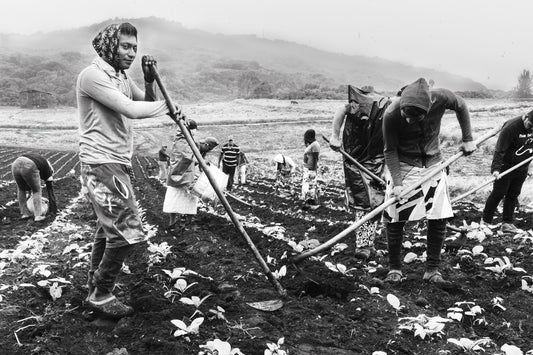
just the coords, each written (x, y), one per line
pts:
(335, 142)
(397, 191)
(468, 147)
(179, 114)
(496, 175)
(148, 65)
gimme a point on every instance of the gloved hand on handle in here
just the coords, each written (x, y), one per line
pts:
(335, 142)
(148, 64)
(468, 147)
(397, 191)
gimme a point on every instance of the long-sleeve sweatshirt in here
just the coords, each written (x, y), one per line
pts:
(417, 144)
(106, 102)
(514, 145)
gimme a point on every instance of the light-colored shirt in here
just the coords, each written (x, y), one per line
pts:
(288, 166)
(106, 102)
(311, 154)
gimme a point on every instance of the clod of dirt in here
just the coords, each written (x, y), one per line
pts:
(421, 302)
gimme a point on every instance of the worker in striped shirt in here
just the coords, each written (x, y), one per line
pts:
(229, 155)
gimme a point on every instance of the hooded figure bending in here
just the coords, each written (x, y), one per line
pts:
(179, 199)
(411, 127)
(360, 123)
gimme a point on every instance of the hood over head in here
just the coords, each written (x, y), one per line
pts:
(309, 136)
(417, 95)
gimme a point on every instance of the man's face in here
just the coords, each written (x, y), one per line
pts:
(529, 125)
(411, 119)
(354, 106)
(127, 50)
(528, 122)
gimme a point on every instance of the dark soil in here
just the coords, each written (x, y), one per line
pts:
(323, 312)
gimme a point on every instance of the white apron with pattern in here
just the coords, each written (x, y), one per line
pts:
(431, 200)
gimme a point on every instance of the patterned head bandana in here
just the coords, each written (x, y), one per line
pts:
(106, 45)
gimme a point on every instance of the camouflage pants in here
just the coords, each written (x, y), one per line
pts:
(109, 190)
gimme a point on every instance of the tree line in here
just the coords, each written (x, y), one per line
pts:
(226, 80)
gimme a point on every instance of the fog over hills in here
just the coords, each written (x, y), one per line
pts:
(199, 65)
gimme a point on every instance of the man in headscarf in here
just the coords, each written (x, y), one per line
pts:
(411, 128)
(107, 100)
(362, 138)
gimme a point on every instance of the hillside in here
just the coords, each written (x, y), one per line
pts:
(202, 66)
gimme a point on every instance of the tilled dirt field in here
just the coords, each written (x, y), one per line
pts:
(335, 304)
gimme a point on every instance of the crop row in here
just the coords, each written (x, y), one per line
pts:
(62, 162)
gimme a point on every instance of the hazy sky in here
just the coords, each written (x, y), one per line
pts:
(487, 40)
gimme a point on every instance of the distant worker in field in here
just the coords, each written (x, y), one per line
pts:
(514, 145)
(164, 162)
(242, 166)
(28, 170)
(107, 100)
(411, 128)
(179, 200)
(229, 155)
(362, 139)
(310, 177)
(285, 168)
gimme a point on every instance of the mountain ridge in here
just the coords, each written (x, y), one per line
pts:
(270, 67)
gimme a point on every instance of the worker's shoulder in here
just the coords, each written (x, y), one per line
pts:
(92, 73)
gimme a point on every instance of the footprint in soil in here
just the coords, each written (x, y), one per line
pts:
(98, 321)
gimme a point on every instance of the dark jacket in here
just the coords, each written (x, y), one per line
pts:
(514, 145)
(45, 170)
(418, 144)
(363, 138)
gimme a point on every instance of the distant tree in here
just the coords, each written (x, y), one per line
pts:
(247, 83)
(262, 91)
(523, 89)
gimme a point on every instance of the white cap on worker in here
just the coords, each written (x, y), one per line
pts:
(278, 158)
